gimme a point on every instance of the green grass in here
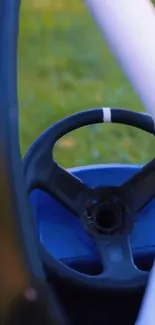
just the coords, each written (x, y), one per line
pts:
(65, 67)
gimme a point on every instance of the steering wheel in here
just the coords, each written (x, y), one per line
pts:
(108, 214)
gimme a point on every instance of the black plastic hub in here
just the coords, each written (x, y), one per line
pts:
(107, 213)
(107, 217)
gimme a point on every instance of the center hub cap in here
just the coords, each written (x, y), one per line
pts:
(107, 213)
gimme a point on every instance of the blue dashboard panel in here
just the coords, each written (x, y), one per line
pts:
(61, 232)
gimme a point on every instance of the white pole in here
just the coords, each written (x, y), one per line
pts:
(147, 310)
(129, 29)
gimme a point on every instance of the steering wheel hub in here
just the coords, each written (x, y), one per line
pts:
(107, 213)
(107, 219)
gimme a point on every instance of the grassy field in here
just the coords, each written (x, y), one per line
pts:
(64, 67)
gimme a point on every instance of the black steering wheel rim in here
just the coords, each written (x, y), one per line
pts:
(51, 135)
(142, 121)
(39, 162)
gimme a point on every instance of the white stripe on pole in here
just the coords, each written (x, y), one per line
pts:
(129, 29)
(106, 114)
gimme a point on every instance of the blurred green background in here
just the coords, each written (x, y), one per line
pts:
(65, 67)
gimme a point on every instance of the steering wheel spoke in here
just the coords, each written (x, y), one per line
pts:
(140, 189)
(68, 189)
(115, 254)
(116, 258)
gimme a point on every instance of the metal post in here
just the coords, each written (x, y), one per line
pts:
(129, 29)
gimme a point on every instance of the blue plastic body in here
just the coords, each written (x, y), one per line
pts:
(62, 233)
